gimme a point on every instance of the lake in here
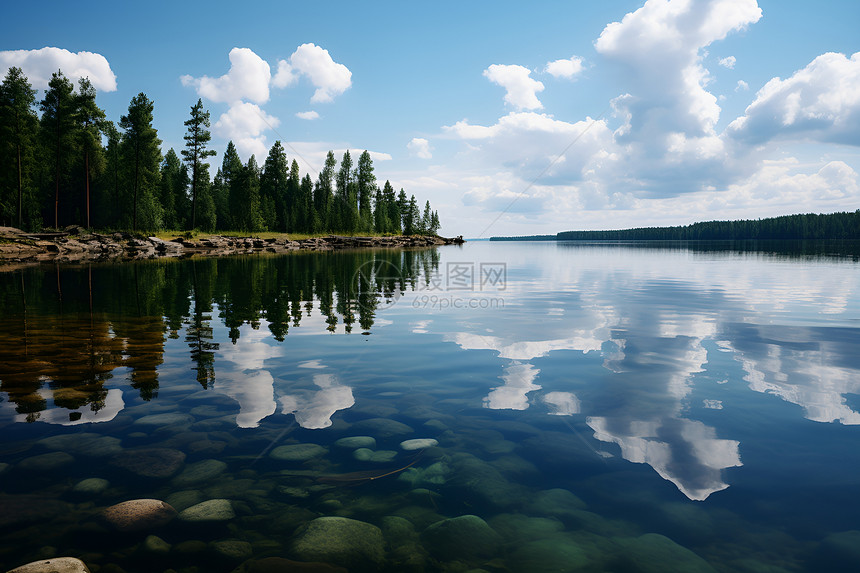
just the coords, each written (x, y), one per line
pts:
(521, 407)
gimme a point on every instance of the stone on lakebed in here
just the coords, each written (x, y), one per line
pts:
(138, 514)
(55, 565)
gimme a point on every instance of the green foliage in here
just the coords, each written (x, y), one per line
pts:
(18, 130)
(809, 226)
(56, 169)
(195, 153)
(141, 153)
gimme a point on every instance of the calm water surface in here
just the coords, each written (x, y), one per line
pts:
(590, 407)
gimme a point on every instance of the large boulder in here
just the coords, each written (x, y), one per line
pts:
(465, 537)
(55, 565)
(347, 542)
(138, 514)
(151, 462)
(213, 510)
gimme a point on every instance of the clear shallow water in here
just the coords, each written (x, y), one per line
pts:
(601, 408)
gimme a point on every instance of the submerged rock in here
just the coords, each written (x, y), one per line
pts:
(298, 452)
(139, 514)
(168, 419)
(151, 462)
(342, 541)
(367, 455)
(55, 565)
(418, 444)
(45, 462)
(232, 549)
(465, 537)
(383, 427)
(281, 565)
(208, 511)
(559, 555)
(91, 486)
(355, 442)
(556, 502)
(201, 471)
(85, 444)
(654, 553)
(155, 544)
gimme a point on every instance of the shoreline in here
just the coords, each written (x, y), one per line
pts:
(75, 244)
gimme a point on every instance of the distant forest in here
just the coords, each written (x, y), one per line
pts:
(809, 226)
(62, 163)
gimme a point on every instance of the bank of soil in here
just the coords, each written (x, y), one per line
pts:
(77, 244)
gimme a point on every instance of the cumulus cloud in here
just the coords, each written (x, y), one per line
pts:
(245, 123)
(520, 87)
(247, 79)
(567, 69)
(742, 86)
(315, 63)
(38, 65)
(661, 45)
(309, 115)
(820, 102)
(728, 62)
(420, 147)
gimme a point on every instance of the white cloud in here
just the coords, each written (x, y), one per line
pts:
(248, 79)
(329, 77)
(728, 62)
(520, 87)
(742, 86)
(245, 123)
(820, 102)
(420, 147)
(309, 115)
(38, 65)
(567, 69)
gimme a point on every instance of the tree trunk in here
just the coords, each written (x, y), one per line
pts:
(20, 191)
(194, 194)
(87, 177)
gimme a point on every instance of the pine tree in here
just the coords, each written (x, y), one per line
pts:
(306, 200)
(323, 195)
(90, 119)
(346, 208)
(57, 129)
(245, 198)
(426, 220)
(392, 209)
(366, 182)
(142, 156)
(18, 130)
(195, 153)
(274, 189)
(108, 202)
(380, 213)
(174, 191)
(434, 224)
(295, 208)
(412, 222)
(403, 207)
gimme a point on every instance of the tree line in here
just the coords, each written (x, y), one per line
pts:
(810, 226)
(62, 162)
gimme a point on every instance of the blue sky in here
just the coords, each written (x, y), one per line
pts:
(664, 112)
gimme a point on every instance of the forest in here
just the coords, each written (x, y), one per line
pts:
(810, 226)
(62, 162)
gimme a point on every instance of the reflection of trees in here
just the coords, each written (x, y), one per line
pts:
(65, 330)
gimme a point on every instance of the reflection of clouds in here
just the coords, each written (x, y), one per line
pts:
(313, 410)
(813, 368)
(420, 326)
(685, 452)
(525, 350)
(112, 405)
(313, 364)
(519, 381)
(247, 382)
(562, 403)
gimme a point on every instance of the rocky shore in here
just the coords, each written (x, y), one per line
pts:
(77, 244)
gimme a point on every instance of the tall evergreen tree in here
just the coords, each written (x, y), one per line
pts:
(346, 209)
(403, 207)
(90, 119)
(174, 191)
(296, 208)
(195, 153)
(274, 183)
(392, 208)
(412, 222)
(142, 155)
(109, 196)
(245, 198)
(366, 182)
(426, 220)
(57, 129)
(306, 200)
(380, 213)
(18, 130)
(323, 194)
